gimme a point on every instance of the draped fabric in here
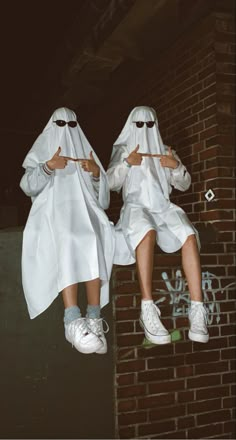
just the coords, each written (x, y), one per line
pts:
(68, 237)
(146, 190)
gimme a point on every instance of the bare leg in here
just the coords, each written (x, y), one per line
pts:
(69, 295)
(93, 292)
(144, 263)
(192, 268)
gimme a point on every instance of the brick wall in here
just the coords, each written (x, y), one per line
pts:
(185, 389)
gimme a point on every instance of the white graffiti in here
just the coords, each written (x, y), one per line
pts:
(180, 297)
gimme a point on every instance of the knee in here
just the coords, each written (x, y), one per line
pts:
(151, 235)
(191, 240)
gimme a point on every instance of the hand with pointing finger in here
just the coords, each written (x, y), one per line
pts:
(134, 158)
(57, 162)
(90, 166)
(168, 160)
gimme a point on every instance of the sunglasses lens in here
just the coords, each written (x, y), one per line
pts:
(60, 123)
(139, 124)
(72, 123)
(150, 124)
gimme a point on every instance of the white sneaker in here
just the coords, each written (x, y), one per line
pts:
(198, 323)
(78, 334)
(149, 320)
(96, 327)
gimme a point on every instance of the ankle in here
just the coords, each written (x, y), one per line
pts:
(93, 312)
(71, 313)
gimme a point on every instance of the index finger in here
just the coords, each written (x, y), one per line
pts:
(72, 158)
(150, 155)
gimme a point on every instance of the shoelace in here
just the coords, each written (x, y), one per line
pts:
(80, 324)
(197, 314)
(152, 314)
(96, 326)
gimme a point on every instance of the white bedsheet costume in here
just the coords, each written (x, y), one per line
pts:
(68, 237)
(146, 189)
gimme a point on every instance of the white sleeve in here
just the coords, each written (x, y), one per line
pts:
(180, 177)
(118, 169)
(101, 189)
(35, 179)
(96, 184)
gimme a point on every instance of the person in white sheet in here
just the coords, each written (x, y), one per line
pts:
(68, 237)
(146, 170)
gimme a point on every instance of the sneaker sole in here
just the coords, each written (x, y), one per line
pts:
(158, 340)
(87, 350)
(102, 351)
(196, 337)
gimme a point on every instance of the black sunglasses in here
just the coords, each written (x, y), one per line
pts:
(140, 124)
(61, 123)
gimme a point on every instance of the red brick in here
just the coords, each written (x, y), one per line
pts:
(124, 275)
(156, 428)
(166, 362)
(128, 288)
(205, 431)
(127, 432)
(130, 366)
(125, 327)
(229, 402)
(213, 367)
(185, 422)
(156, 375)
(204, 381)
(156, 351)
(126, 379)
(186, 396)
(127, 315)
(171, 435)
(212, 393)
(129, 391)
(167, 412)
(129, 340)
(156, 401)
(186, 346)
(132, 418)
(126, 353)
(124, 301)
(204, 406)
(126, 405)
(228, 353)
(228, 378)
(163, 387)
(206, 134)
(230, 427)
(212, 417)
(198, 358)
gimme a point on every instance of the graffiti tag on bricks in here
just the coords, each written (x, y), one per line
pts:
(179, 297)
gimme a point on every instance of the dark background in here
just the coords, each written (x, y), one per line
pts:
(81, 55)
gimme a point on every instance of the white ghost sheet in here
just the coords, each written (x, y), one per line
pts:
(68, 237)
(146, 189)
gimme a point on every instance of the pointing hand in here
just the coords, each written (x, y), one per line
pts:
(134, 158)
(90, 166)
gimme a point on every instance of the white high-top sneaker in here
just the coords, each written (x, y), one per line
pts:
(79, 335)
(198, 323)
(95, 325)
(149, 320)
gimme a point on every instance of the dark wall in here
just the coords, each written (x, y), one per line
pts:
(48, 388)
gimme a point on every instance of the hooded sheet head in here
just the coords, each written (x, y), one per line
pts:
(72, 140)
(148, 138)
